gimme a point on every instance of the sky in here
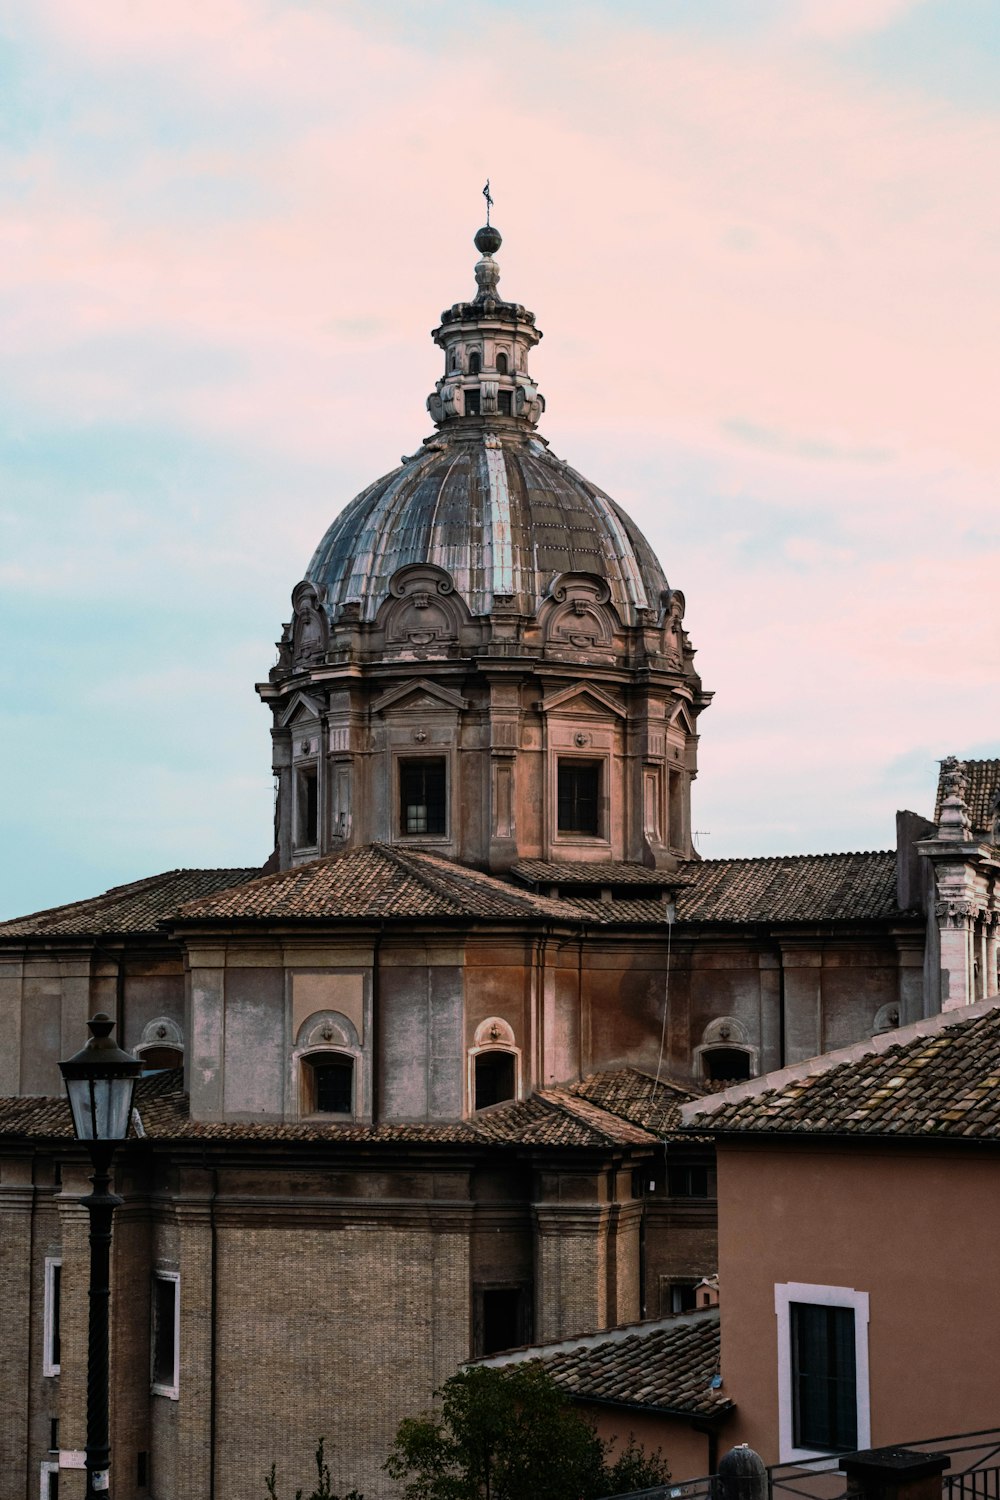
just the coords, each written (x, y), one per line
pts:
(761, 238)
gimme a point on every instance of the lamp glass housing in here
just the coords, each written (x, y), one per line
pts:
(100, 1081)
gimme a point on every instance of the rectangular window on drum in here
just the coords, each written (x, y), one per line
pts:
(423, 805)
(578, 797)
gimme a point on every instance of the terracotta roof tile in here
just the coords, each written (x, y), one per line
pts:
(942, 1084)
(375, 881)
(551, 1118)
(605, 872)
(667, 1366)
(138, 907)
(637, 1097)
(981, 793)
(791, 888)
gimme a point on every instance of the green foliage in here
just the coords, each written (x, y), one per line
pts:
(323, 1490)
(510, 1434)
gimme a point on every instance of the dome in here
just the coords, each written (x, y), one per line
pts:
(497, 511)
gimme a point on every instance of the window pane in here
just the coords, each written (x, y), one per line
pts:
(334, 1080)
(422, 797)
(823, 1377)
(578, 796)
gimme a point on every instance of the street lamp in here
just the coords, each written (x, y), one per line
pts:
(100, 1080)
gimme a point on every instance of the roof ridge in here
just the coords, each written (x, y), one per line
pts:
(399, 858)
(114, 893)
(760, 859)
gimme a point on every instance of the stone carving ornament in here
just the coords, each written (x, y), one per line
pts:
(310, 631)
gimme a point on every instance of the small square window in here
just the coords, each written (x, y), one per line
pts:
(423, 797)
(578, 797)
(687, 1180)
(165, 1339)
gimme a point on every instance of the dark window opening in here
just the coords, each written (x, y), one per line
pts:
(472, 403)
(726, 1065)
(52, 1484)
(501, 364)
(55, 1327)
(422, 797)
(307, 808)
(495, 1078)
(164, 1332)
(53, 1434)
(333, 1085)
(681, 1297)
(505, 400)
(502, 1319)
(475, 362)
(156, 1059)
(453, 361)
(687, 1181)
(579, 796)
(57, 1174)
(824, 1380)
(142, 1471)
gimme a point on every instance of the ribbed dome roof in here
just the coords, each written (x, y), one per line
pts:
(501, 514)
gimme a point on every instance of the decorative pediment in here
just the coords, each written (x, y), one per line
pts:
(576, 616)
(578, 695)
(682, 716)
(423, 612)
(419, 696)
(300, 706)
(310, 627)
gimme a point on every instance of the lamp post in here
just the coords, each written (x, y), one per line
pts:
(100, 1080)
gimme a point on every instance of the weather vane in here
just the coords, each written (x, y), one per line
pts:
(489, 200)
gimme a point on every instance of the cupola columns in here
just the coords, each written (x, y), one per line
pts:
(486, 344)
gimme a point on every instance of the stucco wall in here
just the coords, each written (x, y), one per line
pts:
(915, 1229)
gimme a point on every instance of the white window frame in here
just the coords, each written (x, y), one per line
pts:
(49, 1365)
(161, 1388)
(49, 1466)
(785, 1293)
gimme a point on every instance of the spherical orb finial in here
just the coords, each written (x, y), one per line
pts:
(488, 240)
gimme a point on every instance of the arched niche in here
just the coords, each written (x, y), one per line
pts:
(494, 1064)
(725, 1053)
(161, 1045)
(327, 1067)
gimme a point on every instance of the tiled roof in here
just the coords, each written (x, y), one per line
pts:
(668, 1365)
(135, 908)
(791, 888)
(938, 1078)
(551, 1118)
(981, 792)
(606, 872)
(637, 1097)
(376, 881)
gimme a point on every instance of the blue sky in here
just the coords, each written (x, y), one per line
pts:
(761, 240)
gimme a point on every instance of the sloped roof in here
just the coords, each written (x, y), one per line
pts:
(665, 1366)
(982, 790)
(939, 1078)
(138, 907)
(791, 888)
(375, 881)
(637, 1097)
(550, 1118)
(603, 872)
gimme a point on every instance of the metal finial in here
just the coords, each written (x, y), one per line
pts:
(489, 201)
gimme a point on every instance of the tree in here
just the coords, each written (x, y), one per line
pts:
(323, 1490)
(510, 1434)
